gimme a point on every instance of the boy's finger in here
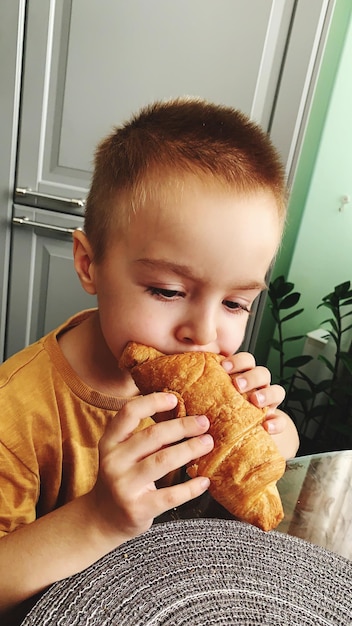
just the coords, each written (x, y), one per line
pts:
(168, 498)
(269, 397)
(165, 460)
(240, 362)
(128, 418)
(163, 434)
(276, 423)
(252, 379)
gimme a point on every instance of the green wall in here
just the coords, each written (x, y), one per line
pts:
(316, 253)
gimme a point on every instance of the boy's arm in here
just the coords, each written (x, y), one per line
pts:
(122, 504)
(53, 547)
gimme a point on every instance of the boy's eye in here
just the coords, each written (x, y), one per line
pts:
(235, 305)
(164, 293)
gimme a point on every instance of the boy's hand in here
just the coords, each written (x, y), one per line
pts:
(255, 382)
(126, 498)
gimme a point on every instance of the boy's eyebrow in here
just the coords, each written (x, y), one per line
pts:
(187, 272)
(171, 266)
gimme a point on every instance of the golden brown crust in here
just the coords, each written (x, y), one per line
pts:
(245, 463)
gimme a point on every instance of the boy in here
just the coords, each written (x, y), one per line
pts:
(183, 219)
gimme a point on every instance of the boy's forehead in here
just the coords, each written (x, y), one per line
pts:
(163, 195)
(206, 223)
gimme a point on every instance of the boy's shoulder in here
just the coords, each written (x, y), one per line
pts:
(34, 362)
(21, 363)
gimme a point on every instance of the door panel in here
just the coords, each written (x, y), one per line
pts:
(44, 288)
(88, 66)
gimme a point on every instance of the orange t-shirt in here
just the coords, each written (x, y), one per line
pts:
(50, 426)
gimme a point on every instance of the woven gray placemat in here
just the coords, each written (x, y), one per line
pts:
(204, 572)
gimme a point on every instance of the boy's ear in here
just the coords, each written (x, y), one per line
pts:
(83, 261)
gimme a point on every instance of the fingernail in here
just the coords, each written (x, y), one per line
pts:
(227, 365)
(205, 482)
(206, 439)
(202, 420)
(172, 399)
(260, 398)
(241, 383)
(269, 427)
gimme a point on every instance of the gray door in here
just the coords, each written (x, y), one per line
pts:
(88, 65)
(44, 288)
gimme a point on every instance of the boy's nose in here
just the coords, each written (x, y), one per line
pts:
(200, 330)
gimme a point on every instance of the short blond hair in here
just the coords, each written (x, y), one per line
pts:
(168, 141)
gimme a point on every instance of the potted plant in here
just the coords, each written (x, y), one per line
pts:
(328, 402)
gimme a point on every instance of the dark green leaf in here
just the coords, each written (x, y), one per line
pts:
(328, 306)
(328, 321)
(280, 287)
(342, 289)
(327, 362)
(292, 315)
(323, 385)
(335, 338)
(294, 338)
(290, 301)
(347, 302)
(298, 361)
(335, 326)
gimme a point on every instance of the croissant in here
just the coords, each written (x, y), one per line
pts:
(245, 464)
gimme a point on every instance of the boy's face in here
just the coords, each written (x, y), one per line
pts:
(185, 276)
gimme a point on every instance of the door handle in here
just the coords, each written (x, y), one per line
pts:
(24, 191)
(25, 221)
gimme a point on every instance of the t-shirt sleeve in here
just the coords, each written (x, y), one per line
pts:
(19, 490)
